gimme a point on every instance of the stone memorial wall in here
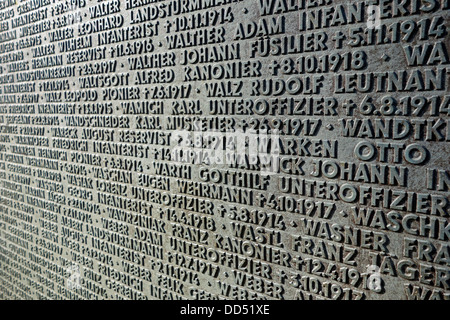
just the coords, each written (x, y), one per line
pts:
(224, 149)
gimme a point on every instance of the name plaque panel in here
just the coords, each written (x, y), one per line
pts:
(224, 149)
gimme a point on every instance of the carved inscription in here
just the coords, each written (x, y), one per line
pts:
(224, 149)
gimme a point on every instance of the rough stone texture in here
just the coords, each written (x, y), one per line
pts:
(210, 149)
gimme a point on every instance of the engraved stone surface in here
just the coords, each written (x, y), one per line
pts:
(224, 149)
